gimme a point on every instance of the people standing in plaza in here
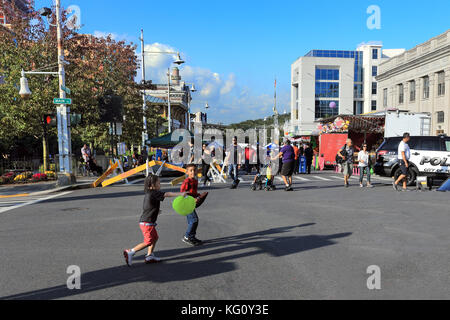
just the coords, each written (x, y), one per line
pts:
(404, 154)
(234, 160)
(189, 187)
(297, 158)
(309, 155)
(346, 153)
(205, 166)
(364, 164)
(287, 155)
(151, 210)
(247, 159)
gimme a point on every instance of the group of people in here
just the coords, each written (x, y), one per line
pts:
(365, 162)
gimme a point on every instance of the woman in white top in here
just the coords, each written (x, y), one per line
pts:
(363, 163)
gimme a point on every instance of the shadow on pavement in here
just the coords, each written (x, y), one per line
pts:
(226, 251)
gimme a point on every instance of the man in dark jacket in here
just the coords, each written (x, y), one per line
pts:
(309, 154)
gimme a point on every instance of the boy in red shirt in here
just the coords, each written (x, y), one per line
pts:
(190, 187)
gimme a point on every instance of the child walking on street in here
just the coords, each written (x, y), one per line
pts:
(190, 187)
(152, 202)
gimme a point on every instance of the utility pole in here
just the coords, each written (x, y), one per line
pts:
(64, 141)
(168, 101)
(144, 105)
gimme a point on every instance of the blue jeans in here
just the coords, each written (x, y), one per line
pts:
(361, 174)
(233, 172)
(192, 221)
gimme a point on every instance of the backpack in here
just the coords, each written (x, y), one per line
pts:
(343, 151)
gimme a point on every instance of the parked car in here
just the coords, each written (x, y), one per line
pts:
(430, 157)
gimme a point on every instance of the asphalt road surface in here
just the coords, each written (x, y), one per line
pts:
(313, 243)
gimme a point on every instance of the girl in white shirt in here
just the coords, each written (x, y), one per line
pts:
(363, 164)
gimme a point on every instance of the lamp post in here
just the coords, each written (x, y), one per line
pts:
(191, 90)
(177, 61)
(64, 137)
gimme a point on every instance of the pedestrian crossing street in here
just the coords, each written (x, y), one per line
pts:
(12, 202)
(320, 178)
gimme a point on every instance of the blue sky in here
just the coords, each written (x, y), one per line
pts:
(234, 49)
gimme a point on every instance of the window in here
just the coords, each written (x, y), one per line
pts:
(401, 96)
(327, 89)
(441, 83)
(447, 143)
(430, 145)
(385, 97)
(374, 88)
(375, 54)
(374, 105)
(358, 91)
(327, 74)
(323, 109)
(412, 91)
(440, 116)
(374, 71)
(358, 107)
(426, 87)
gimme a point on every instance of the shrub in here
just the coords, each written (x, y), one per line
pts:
(50, 174)
(39, 177)
(20, 178)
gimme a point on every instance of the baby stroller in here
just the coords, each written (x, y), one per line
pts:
(264, 181)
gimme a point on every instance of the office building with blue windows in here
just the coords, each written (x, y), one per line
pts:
(331, 82)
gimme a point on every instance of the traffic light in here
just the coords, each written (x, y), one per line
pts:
(75, 119)
(50, 120)
(110, 108)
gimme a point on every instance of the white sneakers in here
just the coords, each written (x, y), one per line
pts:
(128, 255)
(152, 259)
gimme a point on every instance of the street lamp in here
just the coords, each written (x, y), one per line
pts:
(192, 89)
(178, 61)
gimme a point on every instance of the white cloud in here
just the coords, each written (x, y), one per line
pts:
(228, 101)
(114, 36)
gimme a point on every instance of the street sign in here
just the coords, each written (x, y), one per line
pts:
(66, 90)
(62, 101)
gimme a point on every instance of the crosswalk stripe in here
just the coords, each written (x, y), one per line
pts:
(23, 204)
(301, 178)
(321, 178)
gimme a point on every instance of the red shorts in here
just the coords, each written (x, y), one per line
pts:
(149, 232)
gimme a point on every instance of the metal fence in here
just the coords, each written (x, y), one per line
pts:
(21, 165)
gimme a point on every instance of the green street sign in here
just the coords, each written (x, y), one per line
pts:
(66, 90)
(62, 101)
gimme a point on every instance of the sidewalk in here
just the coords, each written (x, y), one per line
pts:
(41, 188)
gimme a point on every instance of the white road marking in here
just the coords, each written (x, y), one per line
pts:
(321, 178)
(301, 178)
(34, 201)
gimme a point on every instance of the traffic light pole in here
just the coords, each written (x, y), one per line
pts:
(64, 137)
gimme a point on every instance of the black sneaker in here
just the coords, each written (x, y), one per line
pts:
(196, 241)
(188, 241)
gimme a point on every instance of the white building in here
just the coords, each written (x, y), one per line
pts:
(346, 78)
(419, 81)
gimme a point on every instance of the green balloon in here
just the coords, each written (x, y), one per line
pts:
(184, 206)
